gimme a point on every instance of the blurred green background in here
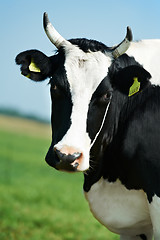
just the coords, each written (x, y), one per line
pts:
(36, 201)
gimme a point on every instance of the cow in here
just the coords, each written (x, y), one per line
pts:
(105, 123)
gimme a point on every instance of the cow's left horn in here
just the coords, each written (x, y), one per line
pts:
(52, 34)
(124, 45)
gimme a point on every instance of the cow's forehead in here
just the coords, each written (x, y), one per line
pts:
(85, 71)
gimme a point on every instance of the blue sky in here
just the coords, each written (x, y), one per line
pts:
(21, 29)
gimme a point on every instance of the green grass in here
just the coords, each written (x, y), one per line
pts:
(38, 202)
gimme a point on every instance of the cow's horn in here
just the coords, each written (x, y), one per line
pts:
(51, 32)
(124, 45)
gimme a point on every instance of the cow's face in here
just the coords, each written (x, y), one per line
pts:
(79, 94)
(75, 88)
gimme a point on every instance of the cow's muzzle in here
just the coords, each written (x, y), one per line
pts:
(65, 159)
(68, 162)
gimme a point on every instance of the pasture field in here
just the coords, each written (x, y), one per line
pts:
(36, 201)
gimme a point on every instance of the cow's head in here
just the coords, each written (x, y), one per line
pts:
(78, 91)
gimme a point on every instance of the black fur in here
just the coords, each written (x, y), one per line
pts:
(90, 45)
(122, 72)
(61, 111)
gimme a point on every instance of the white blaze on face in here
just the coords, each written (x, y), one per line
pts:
(85, 71)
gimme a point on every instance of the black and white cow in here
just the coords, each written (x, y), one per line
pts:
(105, 123)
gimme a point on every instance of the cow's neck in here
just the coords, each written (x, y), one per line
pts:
(111, 161)
(99, 152)
(107, 151)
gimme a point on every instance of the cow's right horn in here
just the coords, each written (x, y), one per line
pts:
(124, 45)
(52, 34)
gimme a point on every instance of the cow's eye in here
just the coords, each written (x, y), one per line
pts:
(54, 87)
(105, 97)
(55, 91)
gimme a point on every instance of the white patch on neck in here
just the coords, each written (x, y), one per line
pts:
(121, 210)
(85, 71)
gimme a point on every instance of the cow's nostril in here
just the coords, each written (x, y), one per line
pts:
(67, 157)
(76, 155)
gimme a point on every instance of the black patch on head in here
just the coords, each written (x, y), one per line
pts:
(61, 107)
(124, 79)
(97, 107)
(89, 45)
(121, 62)
(59, 83)
(59, 77)
(122, 72)
(104, 87)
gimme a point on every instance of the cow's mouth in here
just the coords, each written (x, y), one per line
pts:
(64, 166)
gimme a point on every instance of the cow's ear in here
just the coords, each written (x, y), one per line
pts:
(131, 80)
(34, 64)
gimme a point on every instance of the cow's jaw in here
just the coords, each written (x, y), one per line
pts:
(84, 71)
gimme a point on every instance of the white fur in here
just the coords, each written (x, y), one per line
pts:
(154, 208)
(84, 72)
(122, 211)
(147, 53)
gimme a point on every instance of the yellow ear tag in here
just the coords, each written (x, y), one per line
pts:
(33, 67)
(135, 87)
